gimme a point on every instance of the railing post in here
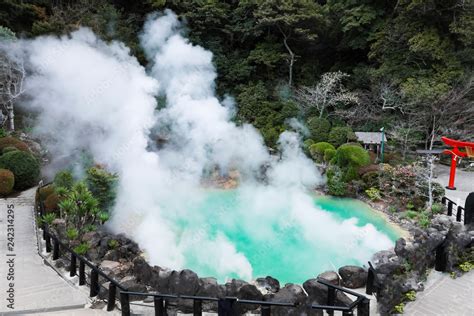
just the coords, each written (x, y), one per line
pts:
(125, 304)
(72, 266)
(111, 299)
(197, 308)
(94, 283)
(225, 307)
(369, 286)
(55, 249)
(443, 200)
(459, 214)
(160, 309)
(331, 299)
(450, 208)
(363, 309)
(48, 242)
(265, 310)
(82, 272)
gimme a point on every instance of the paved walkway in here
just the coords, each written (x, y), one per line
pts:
(36, 288)
(444, 296)
(464, 182)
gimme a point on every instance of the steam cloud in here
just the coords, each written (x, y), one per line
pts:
(94, 96)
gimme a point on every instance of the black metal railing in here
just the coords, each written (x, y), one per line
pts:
(79, 262)
(454, 210)
(226, 305)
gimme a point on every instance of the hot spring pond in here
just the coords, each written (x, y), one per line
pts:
(292, 237)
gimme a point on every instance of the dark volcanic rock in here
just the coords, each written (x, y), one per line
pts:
(292, 294)
(248, 292)
(353, 277)
(185, 282)
(318, 293)
(269, 284)
(232, 287)
(142, 270)
(329, 276)
(208, 287)
(130, 283)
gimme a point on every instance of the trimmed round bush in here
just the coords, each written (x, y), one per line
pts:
(317, 150)
(9, 149)
(51, 203)
(329, 154)
(45, 191)
(7, 181)
(24, 166)
(13, 142)
(351, 155)
(319, 129)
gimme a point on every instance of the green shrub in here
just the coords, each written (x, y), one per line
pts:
(319, 129)
(64, 179)
(72, 233)
(48, 218)
(398, 309)
(13, 142)
(410, 295)
(8, 149)
(392, 209)
(24, 166)
(79, 207)
(103, 217)
(3, 133)
(329, 154)
(424, 220)
(82, 248)
(340, 135)
(410, 214)
(466, 266)
(7, 181)
(102, 184)
(113, 244)
(437, 208)
(317, 150)
(373, 194)
(371, 179)
(351, 155)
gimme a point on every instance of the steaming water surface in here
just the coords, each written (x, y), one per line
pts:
(277, 246)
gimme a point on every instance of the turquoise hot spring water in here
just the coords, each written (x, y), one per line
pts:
(289, 241)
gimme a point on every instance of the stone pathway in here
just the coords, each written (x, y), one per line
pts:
(464, 183)
(444, 296)
(36, 288)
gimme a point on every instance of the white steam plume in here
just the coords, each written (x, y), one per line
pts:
(94, 96)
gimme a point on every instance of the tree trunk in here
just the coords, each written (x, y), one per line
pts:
(292, 60)
(11, 116)
(431, 167)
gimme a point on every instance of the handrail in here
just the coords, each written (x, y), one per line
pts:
(362, 302)
(451, 205)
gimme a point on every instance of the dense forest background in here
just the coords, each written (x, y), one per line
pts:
(337, 66)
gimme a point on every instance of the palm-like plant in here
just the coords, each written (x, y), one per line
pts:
(79, 207)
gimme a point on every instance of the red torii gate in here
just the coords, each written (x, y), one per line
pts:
(455, 154)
